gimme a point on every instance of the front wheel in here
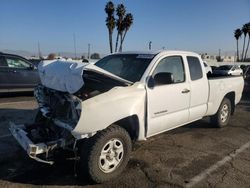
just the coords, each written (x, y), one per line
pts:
(107, 155)
(221, 118)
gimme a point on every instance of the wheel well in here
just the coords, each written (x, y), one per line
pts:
(131, 125)
(231, 97)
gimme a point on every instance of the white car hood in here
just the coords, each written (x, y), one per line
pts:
(66, 76)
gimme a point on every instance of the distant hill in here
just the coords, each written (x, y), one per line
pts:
(30, 54)
(19, 52)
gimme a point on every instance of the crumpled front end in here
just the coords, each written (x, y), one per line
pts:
(34, 149)
(58, 114)
(60, 109)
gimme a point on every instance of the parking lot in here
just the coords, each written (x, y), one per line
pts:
(196, 155)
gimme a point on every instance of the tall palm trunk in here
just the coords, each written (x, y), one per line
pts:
(247, 49)
(122, 39)
(242, 54)
(117, 40)
(110, 42)
(120, 48)
(237, 43)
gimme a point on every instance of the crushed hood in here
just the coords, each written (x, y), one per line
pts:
(61, 75)
(67, 76)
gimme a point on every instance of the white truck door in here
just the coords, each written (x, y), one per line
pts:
(168, 104)
(199, 88)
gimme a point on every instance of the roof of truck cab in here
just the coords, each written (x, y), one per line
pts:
(158, 52)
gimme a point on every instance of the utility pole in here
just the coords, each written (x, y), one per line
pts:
(150, 45)
(88, 51)
(39, 50)
(74, 38)
(219, 52)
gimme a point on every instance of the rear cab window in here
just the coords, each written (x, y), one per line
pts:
(195, 68)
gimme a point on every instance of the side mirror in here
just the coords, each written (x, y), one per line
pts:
(163, 78)
(151, 82)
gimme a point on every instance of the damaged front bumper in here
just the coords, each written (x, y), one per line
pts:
(34, 149)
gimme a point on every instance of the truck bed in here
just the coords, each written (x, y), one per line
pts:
(219, 87)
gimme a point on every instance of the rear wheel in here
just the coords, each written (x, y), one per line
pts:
(107, 154)
(221, 118)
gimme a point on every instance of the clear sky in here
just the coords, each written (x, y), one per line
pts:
(195, 25)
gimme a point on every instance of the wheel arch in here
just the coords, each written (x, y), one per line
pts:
(231, 97)
(131, 125)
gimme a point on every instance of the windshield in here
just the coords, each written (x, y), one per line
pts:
(127, 66)
(224, 67)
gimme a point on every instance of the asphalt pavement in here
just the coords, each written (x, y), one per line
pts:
(196, 155)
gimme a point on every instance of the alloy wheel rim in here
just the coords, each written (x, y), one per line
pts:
(111, 155)
(224, 113)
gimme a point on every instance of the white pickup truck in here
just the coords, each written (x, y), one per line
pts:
(97, 110)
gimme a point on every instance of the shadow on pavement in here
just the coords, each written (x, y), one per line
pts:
(19, 94)
(245, 102)
(24, 170)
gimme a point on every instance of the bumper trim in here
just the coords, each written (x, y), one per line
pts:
(33, 149)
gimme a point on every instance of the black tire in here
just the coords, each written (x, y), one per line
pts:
(220, 120)
(92, 159)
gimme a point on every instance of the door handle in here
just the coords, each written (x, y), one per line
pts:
(14, 71)
(185, 91)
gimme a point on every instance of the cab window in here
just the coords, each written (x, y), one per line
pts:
(174, 65)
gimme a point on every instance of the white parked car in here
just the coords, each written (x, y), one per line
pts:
(228, 70)
(97, 110)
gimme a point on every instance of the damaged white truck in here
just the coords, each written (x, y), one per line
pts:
(98, 110)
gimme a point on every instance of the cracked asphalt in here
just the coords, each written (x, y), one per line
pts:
(171, 159)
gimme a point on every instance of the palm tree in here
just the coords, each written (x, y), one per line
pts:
(244, 31)
(248, 31)
(237, 35)
(110, 22)
(120, 12)
(127, 23)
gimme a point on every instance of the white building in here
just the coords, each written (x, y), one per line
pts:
(226, 58)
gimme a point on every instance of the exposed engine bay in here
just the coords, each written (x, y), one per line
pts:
(59, 112)
(58, 115)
